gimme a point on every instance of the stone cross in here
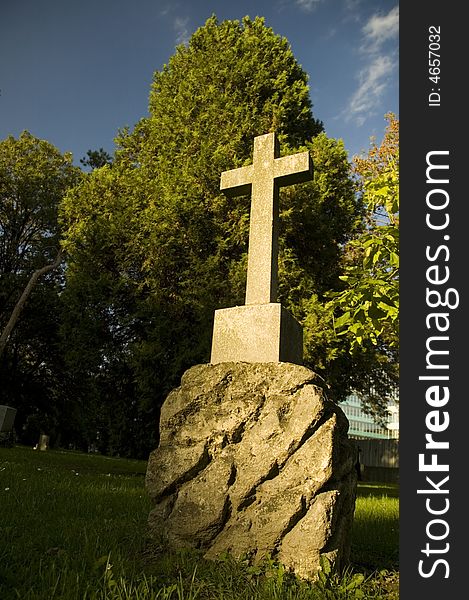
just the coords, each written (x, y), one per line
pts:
(261, 330)
(262, 180)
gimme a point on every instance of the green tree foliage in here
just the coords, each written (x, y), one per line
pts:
(367, 308)
(96, 158)
(370, 302)
(34, 177)
(155, 247)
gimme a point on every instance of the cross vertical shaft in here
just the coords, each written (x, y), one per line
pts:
(262, 275)
(263, 179)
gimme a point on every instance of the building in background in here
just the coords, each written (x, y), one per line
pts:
(377, 445)
(363, 426)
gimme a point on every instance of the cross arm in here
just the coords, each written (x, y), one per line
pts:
(296, 168)
(237, 182)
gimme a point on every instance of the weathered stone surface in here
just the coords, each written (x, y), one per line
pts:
(254, 461)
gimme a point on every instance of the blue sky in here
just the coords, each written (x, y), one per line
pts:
(74, 72)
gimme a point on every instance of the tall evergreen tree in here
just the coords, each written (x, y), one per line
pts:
(96, 158)
(155, 247)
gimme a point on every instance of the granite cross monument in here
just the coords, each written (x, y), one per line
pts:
(261, 330)
(253, 461)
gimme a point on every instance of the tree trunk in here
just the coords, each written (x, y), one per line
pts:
(24, 296)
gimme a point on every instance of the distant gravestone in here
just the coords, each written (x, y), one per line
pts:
(43, 443)
(262, 330)
(7, 418)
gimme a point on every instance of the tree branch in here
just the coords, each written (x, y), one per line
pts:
(24, 296)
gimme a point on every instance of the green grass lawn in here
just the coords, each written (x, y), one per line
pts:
(73, 526)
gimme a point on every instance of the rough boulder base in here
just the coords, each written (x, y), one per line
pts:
(253, 461)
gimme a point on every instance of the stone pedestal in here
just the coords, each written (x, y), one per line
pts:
(256, 333)
(255, 462)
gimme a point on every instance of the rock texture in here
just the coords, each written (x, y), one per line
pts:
(254, 461)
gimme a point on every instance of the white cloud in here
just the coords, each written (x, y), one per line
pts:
(352, 5)
(330, 33)
(379, 29)
(179, 24)
(182, 32)
(308, 5)
(165, 10)
(373, 81)
(351, 10)
(374, 77)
